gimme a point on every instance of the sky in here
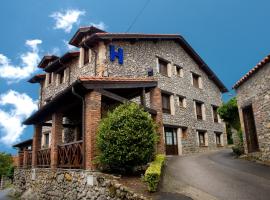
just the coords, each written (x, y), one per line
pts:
(230, 35)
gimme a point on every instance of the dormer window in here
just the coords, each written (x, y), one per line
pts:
(62, 77)
(86, 56)
(49, 78)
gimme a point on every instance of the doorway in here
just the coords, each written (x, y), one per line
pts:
(171, 141)
(250, 129)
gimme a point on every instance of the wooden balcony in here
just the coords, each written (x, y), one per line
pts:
(70, 155)
(44, 158)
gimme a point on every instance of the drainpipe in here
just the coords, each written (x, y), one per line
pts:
(83, 120)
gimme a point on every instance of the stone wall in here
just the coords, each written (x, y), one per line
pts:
(139, 57)
(255, 91)
(36, 184)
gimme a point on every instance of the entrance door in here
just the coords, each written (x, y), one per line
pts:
(171, 141)
(250, 129)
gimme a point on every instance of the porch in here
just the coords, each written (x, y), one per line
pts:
(65, 128)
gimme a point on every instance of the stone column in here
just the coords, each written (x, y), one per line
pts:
(36, 144)
(156, 103)
(56, 132)
(92, 116)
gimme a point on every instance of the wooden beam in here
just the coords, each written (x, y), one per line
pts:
(64, 125)
(123, 100)
(119, 85)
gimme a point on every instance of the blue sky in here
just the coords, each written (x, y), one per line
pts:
(230, 35)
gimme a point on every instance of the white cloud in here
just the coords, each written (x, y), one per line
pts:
(66, 19)
(29, 61)
(100, 25)
(55, 51)
(17, 107)
(68, 46)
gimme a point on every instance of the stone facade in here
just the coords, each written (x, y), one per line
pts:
(141, 56)
(35, 184)
(255, 91)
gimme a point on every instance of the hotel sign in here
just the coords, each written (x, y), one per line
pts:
(119, 53)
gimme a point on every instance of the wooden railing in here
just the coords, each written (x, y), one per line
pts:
(70, 155)
(29, 158)
(44, 158)
(20, 159)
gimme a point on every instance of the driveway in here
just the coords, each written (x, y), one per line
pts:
(216, 175)
(4, 194)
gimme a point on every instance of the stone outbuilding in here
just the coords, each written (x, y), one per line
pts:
(253, 98)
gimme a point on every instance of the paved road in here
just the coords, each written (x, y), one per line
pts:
(216, 175)
(4, 194)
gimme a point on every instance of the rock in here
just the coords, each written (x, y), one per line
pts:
(29, 195)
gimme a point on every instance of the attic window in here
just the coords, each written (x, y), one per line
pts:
(62, 77)
(49, 78)
(86, 56)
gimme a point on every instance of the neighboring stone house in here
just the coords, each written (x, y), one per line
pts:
(253, 98)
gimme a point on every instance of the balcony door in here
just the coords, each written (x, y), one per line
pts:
(171, 141)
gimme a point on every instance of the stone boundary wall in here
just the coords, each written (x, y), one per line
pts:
(35, 184)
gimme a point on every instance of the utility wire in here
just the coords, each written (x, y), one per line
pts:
(138, 15)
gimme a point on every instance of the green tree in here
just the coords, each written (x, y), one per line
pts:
(5, 164)
(229, 113)
(126, 138)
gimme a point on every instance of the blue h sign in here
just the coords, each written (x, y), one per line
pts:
(119, 54)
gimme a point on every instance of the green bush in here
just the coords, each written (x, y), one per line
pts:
(153, 173)
(239, 148)
(126, 138)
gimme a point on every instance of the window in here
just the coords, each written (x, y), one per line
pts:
(163, 68)
(199, 112)
(46, 140)
(86, 56)
(215, 113)
(49, 78)
(179, 71)
(166, 103)
(218, 139)
(201, 135)
(195, 79)
(61, 77)
(182, 101)
(184, 132)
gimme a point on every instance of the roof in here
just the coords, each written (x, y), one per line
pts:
(46, 59)
(59, 62)
(251, 72)
(25, 143)
(81, 32)
(178, 38)
(37, 78)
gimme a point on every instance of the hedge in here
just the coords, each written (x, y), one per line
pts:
(153, 173)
